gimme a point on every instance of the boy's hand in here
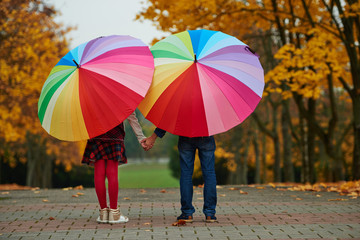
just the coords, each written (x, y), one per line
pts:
(149, 142)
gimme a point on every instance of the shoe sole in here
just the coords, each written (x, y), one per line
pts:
(112, 222)
(186, 220)
(102, 221)
(210, 221)
(120, 221)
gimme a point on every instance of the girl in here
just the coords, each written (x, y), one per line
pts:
(105, 153)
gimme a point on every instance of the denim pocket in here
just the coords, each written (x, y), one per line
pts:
(207, 144)
(185, 143)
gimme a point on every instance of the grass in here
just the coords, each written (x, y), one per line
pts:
(146, 175)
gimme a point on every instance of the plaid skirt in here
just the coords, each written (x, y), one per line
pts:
(108, 146)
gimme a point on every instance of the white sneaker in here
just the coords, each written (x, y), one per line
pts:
(115, 216)
(103, 216)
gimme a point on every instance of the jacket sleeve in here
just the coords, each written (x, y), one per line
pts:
(135, 125)
(159, 132)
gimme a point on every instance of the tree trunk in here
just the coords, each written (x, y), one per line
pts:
(257, 158)
(245, 155)
(263, 158)
(46, 180)
(39, 164)
(277, 156)
(311, 141)
(303, 149)
(356, 154)
(1, 167)
(287, 144)
(235, 177)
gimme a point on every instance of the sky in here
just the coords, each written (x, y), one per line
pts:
(95, 18)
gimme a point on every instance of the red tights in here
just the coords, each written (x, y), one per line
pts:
(106, 169)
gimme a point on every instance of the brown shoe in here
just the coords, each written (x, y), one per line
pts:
(103, 216)
(210, 219)
(185, 218)
(115, 216)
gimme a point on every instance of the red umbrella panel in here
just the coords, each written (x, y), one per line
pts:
(95, 87)
(205, 82)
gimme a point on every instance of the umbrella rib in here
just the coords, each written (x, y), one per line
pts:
(124, 103)
(253, 88)
(244, 99)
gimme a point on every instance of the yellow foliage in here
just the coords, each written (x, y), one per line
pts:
(305, 60)
(221, 153)
(31, 44)
(306, 70)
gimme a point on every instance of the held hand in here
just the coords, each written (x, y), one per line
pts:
(148, 143)
(144, 145)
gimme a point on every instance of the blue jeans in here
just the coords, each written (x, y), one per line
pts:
(187, 148)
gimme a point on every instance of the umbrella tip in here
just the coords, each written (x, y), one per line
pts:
(247, 48)
(195, 58)
(77, 65)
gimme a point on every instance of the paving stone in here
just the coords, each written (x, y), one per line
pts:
(261, 214)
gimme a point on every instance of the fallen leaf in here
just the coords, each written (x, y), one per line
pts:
(272, 185)
(147, 223)
(80, 187)
(338, 199)
(142, 190)
(51, 218)
(75, 195)
(222, 195)
(201, 186)
(234, 188)
(353, 194)
(260, 187)
(318, 195)
(332, 189)
(163, 191)
(179, 223)
(242, 192)
(80, 193)
(126, 198)
(298, 199)
(45, 200)
(36, 192)
(3, 193)
(218, 186)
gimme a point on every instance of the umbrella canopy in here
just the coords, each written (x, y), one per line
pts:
(95, 87)
(205, 82)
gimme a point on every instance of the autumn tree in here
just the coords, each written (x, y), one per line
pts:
(311, 58)
(31, 44)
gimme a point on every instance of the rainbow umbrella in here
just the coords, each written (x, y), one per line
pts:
(95, 87)
(205, 82)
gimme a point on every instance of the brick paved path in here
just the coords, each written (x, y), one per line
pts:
(260, 214)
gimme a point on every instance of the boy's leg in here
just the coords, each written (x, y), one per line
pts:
(187, 157)
(206, 148)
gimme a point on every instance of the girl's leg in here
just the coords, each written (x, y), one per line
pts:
(113, 182)
(99, 180)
